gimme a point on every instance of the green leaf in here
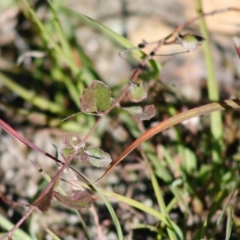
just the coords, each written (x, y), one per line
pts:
(65, 152)
(78, 200)
(98, 157)
(137, 92)
(96, 98)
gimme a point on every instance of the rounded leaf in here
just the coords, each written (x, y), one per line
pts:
(78, 200)
(136, 92)
(70, 140)
(140, 114)
(98, 157)
(96, 98)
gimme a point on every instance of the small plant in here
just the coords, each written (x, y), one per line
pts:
(96, 99)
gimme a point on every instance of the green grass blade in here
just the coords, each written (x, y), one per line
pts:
(178, 196)
(213, 92)
(64, 43)
(141, 226)
(52, 234)
(36, 100)
(158, 193)
(225, 208)
(111, 211)
(161, 203)
(159, 169)
(18, 234)
(140, 206)
(57, 52)
(229, 224)
(116, 38)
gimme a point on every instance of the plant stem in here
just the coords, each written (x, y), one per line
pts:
(213, 92)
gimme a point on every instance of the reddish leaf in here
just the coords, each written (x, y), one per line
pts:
(80, 155)
(96, 98)
(78, 200)
(140, 114)
(43, 202)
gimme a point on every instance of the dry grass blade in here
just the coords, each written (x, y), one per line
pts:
(206, 109)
